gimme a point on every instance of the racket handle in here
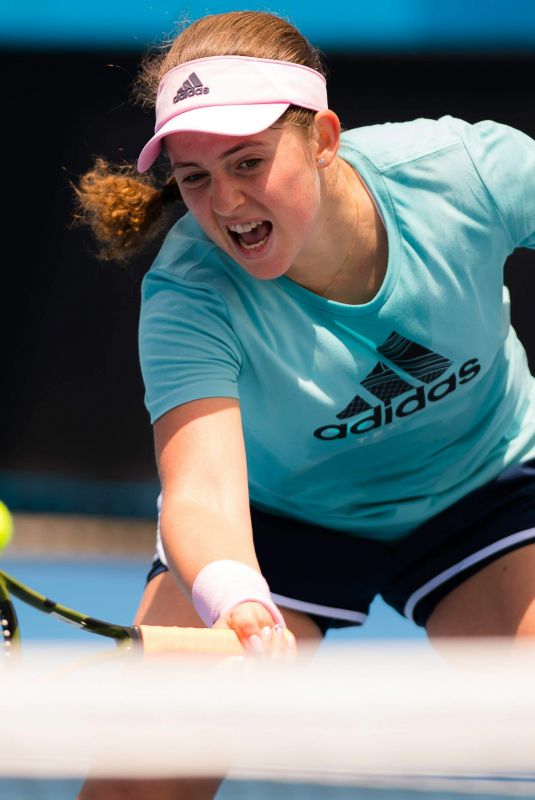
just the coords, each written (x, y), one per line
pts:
(194, 641)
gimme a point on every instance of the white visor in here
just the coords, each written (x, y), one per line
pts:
(232, 96)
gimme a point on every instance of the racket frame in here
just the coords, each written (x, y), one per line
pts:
(125, 635)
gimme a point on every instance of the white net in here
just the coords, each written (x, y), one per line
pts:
(376, 716)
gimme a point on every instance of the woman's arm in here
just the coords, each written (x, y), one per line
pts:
(205, 512)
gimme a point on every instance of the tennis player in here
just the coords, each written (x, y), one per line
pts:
(341, 408)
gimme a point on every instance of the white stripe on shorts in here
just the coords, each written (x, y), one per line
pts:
(357, 617)
(159, 545)
(469, 561)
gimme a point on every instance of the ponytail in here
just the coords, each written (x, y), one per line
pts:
(125, 210)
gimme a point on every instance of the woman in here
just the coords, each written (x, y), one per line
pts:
(325, 336)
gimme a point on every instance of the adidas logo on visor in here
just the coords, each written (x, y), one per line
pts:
(190, 88)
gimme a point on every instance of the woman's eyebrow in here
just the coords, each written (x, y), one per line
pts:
(230, 152)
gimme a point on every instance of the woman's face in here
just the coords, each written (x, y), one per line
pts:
(257, 197)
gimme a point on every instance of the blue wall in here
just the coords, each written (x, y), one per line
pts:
(361, 24)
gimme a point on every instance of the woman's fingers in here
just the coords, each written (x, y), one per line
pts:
(254, 625)
(258, 632)
(283, 644)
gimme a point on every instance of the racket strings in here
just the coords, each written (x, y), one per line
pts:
(9, 626)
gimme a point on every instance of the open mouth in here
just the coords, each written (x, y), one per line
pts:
(252, 235)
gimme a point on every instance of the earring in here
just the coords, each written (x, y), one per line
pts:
(321, 162)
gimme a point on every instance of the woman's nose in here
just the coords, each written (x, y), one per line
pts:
(227, 196)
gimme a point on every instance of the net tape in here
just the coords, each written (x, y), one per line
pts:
(359, 715)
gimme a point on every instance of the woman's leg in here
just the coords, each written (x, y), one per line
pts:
(499, 600)
(163, 603)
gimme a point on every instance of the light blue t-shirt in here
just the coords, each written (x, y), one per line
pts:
(368, 419)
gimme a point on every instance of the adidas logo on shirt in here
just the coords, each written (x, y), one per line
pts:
(189, 88)
(424, 366)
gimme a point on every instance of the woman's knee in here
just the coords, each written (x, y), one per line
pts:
(499, 600)
(164, 603)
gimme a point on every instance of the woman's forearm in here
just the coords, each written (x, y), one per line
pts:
(194, 536)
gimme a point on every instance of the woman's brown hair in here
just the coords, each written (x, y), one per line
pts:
(123, 208)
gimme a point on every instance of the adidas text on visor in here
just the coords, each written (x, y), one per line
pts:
(230, 95)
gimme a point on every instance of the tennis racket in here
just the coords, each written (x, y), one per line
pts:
(151, 639)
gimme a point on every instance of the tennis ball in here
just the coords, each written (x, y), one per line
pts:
(6, 526)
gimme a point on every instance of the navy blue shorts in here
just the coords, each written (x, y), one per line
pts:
(333, 577)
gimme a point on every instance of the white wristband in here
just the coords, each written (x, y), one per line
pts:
(221, 585)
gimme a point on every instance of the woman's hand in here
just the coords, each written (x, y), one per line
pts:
(258, 632)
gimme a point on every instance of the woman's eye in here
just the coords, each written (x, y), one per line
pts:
(192, 179)
(249, 163)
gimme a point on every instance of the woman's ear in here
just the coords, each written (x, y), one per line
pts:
(327, 137)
